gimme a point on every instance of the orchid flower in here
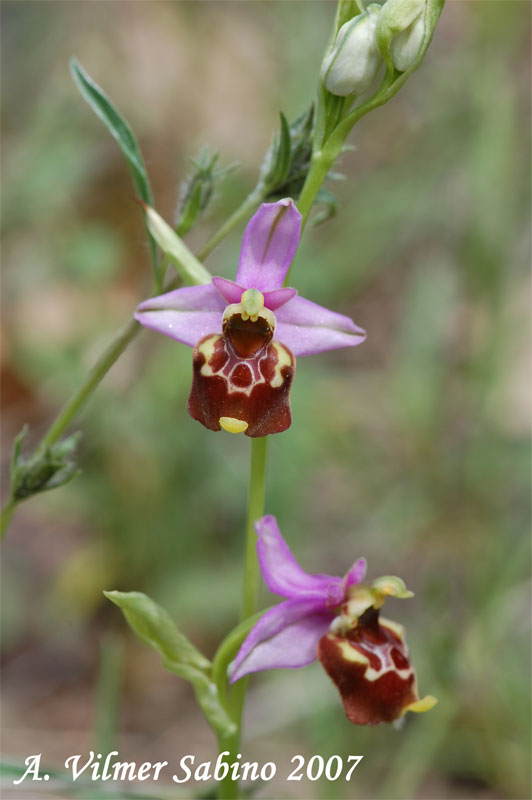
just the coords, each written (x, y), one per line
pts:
(241, 374)
(336, 620)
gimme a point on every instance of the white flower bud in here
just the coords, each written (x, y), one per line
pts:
(400, 31)
(397, 15)
(405, 46)
(353, 63)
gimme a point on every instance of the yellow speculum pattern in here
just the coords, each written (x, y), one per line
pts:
(232, 425)
(420, 706)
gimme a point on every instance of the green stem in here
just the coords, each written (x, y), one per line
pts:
(227, 651)
(95, 375)
(320, 166)
(327, 151)
(6, 514)
(232, 701)
(257, 480)
(250, 593)
(242, 212)
(108, 692)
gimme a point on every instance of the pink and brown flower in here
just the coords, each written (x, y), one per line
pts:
(246, 334)
(336, 620)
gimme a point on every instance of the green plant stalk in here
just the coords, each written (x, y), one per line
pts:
(319, 167)
(324, 157)
(253, 199)
(226, 652)
(235, 699)
(255, 509)
(94, 377)
(116, 347)
(5, 516)
(108, 692)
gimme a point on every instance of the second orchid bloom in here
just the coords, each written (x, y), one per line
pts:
(336, 620)
(246, 334)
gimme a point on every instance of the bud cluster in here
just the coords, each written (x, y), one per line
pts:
(392, 33)
(43, 471)
(196, 191)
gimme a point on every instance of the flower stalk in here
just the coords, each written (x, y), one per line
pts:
(255, 510)
(235, 698)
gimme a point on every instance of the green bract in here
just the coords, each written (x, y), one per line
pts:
(186, 263)
(47, 469)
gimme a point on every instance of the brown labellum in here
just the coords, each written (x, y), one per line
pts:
(242, 374)
(371, 668)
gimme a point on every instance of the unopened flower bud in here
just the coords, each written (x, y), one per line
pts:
(196, 190)
(354, 61)
(400, 31)
(405, 46)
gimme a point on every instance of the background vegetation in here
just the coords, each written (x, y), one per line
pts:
(412, 450)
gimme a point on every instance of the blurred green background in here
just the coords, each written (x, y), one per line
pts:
(412, 449)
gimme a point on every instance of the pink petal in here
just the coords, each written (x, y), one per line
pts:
(185, 314)
(356, 574)
(278, 297)
(232, 292)
(281, 572)
(189, 298)
(286, 636)
(229, 290)
(307, 328)
(187, 327)
(269, 245)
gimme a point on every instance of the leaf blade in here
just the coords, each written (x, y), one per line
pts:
(117, 126)
(122, 132)
(154, 627)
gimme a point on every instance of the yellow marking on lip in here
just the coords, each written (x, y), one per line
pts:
(283, 360)
(206, 348)
(232, 425)
(350, 653)
(420, 706)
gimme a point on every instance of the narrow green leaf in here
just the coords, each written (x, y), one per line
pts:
(121, 131)
(154, 627)
(117, 126)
